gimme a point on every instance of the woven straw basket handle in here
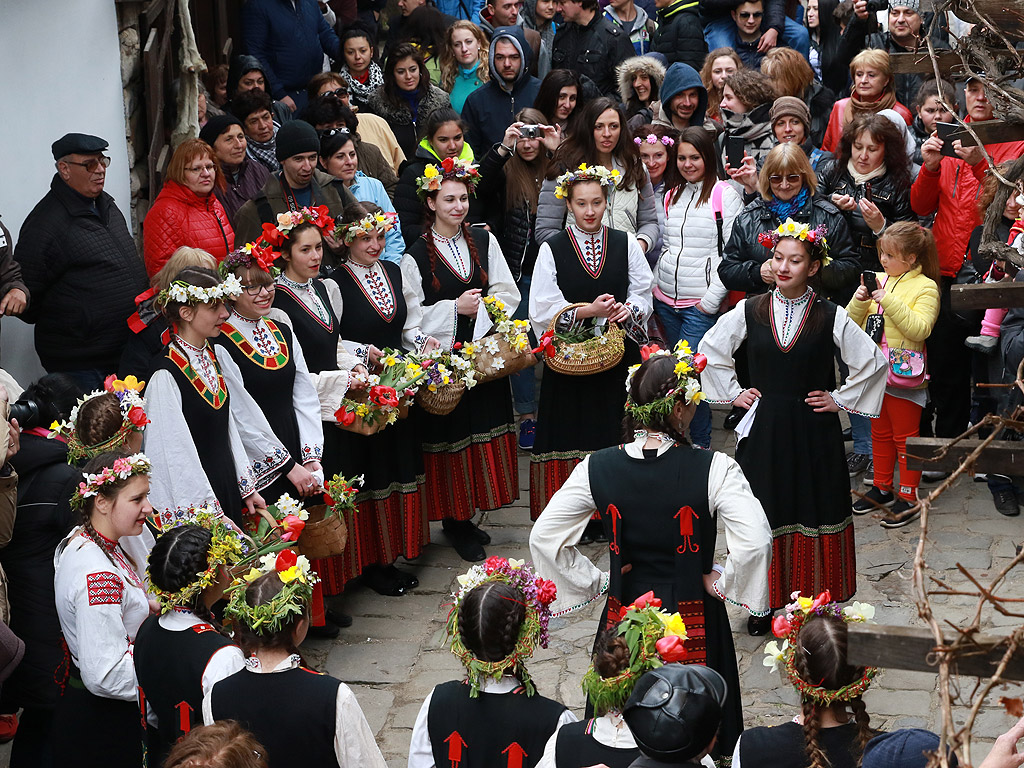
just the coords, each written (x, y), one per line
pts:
(559, 313)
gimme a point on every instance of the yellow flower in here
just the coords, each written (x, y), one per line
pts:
(291, 574)
(583, 166)
(790, 226)
(129, 382)
(362, 409)
(684, 347)
(615, 173)
(469, 349)
(252, 575)
(805, 603)
(390, 360)
(432, 387)
(674, 625)
(682, 367)
(412, 369)
(430, 171)
(55, 427)
(515, 563)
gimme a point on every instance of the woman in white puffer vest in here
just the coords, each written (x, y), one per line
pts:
(688, 292)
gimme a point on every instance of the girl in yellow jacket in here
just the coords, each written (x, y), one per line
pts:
(898, 313)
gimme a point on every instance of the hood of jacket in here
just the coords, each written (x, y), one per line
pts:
(426, 152)
(517, 37)
(678, 78)
(639, 65)
(751, 125)
(239, 66)
(637, 23)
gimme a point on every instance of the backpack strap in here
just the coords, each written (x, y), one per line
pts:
(716, 207)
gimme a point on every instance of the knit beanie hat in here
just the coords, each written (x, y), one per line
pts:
(790, 106)
(904, 748)
(914, 5)
(216, 125)
(296, 137)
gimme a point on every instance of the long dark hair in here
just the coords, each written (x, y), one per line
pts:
(426, 27)
(390, 88)
(428, 234)
(552, 84)
(109, 491)
(439, 117)
(701, 140)
(581, 148)
(881, 128)
(520, 176)
(490, 618)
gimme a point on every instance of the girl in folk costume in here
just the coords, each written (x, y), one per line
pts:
(210, 446)
(498, 617)
(604, 269)
(661, 502)
(179, 653)
(470, 455)
(302, 717)
(101, 603)
(833, 727)
(109, 420)
(793, 335)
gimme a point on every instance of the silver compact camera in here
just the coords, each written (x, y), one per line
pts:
(530, 131)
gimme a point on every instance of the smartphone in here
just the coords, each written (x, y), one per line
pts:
(734, 150)
(867, 191)
(870, 282)
(945, 132)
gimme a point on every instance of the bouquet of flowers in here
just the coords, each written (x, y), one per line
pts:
(504, 352)
(581, 347)
(448, 375)
(386, 396)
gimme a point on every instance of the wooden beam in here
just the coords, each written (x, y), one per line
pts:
(986, 295)
(1004, 457)
(920, 63)
(912, 648)
(990, 132)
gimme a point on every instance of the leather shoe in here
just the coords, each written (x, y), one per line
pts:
(479, 533)
(464, 542)
(759, 625)
(337, 618)
(328, 631)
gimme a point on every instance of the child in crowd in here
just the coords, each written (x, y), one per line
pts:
(315, 719)
(899, 314)
(988, 341)
(500, 615)
(930, 108)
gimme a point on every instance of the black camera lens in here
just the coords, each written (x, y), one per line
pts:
(27, 413)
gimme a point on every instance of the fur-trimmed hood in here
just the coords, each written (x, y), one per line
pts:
(630, 68)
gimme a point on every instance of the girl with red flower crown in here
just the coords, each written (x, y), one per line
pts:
(661, 501)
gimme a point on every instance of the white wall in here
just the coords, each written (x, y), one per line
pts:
(60, 72)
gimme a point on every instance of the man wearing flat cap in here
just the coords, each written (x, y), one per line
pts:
(298, 185)
(81, 266)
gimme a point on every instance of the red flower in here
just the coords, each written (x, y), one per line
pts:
(447, 164)
(546, 591)
(272, 235)
(700, 361)
(671, 648)
(344, 416)
(649, 349)
(108, 383)
(823, 599)
(457, 345)
(766, 239)
(328, 500)
(546, 344)
(781, 627)
(647, 599)
(137, 417)
(494, 562)
(292, 526)
(384, 396)
(285, 560)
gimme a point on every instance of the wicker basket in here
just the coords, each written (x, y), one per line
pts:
(360, 426)
(583, 358)
(514, 362)
(443, 401)
(323, 537)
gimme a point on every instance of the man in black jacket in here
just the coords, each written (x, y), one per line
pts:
(81, 266)
(590, 45)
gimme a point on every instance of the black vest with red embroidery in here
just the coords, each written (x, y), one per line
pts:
(576, 747)
(451, 285)
(494, 730)
(169, 666)
(365, 320)
(580, 280)
(319, 340)
(291, 713)
(655, 512)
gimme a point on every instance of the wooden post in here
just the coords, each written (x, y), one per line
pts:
(1004, 457)
(986, 295)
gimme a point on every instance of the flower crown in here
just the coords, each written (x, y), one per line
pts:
(298, 579)
(226, 548)
(651, 138)
(653, 636)
(688, 365)
(788, 627)
(585, 172)
(798, 231)
(538, 593)
(133, 416)
(248, 256)
(186, 293)
(452, 168)
(319, 217)
(369, 223)
(122, 469)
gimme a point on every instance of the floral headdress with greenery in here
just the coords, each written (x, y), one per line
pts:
(133, 418)
(186, 293)
(538, 593)
(652, 138)
(451, 168)
(297, 579)
(787, 628)
(260, 256)
(382, 220)
(653, 636)
(122, 469)
(226, 548)
(688, 366)
(274, 235)
(598, 173)
(815, 238)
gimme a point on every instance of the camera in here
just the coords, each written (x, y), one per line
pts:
(27, 412)
(530, 131)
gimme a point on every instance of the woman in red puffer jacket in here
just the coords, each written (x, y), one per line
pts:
(186, 212)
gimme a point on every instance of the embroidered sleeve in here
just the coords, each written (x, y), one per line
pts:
(104, 588)
(864, 388)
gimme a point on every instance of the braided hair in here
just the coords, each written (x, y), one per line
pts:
(652, 381)
(490, 618)
(430, 216)
(99, 419)
(820, 659)
(108, 491)
(260, 592)
(177, 559)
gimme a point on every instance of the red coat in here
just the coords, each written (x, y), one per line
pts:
(180, 217)
(834, 131)
(952, 195)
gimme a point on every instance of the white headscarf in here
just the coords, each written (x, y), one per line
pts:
(897, 119)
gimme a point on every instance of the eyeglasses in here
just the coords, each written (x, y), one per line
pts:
(751, 14)
(92, 163)
(201, 169)
(792, 178)
(337, 93)
(334, 132)
(256, 290)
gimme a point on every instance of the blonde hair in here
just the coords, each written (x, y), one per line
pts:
(909, 239)
(450, 67)
(875, 58)
(785, 159)
(185, 256)
(789, 71)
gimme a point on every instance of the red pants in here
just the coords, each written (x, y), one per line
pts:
(899, 420)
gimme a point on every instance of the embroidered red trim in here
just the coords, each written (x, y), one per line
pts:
(104, 588)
